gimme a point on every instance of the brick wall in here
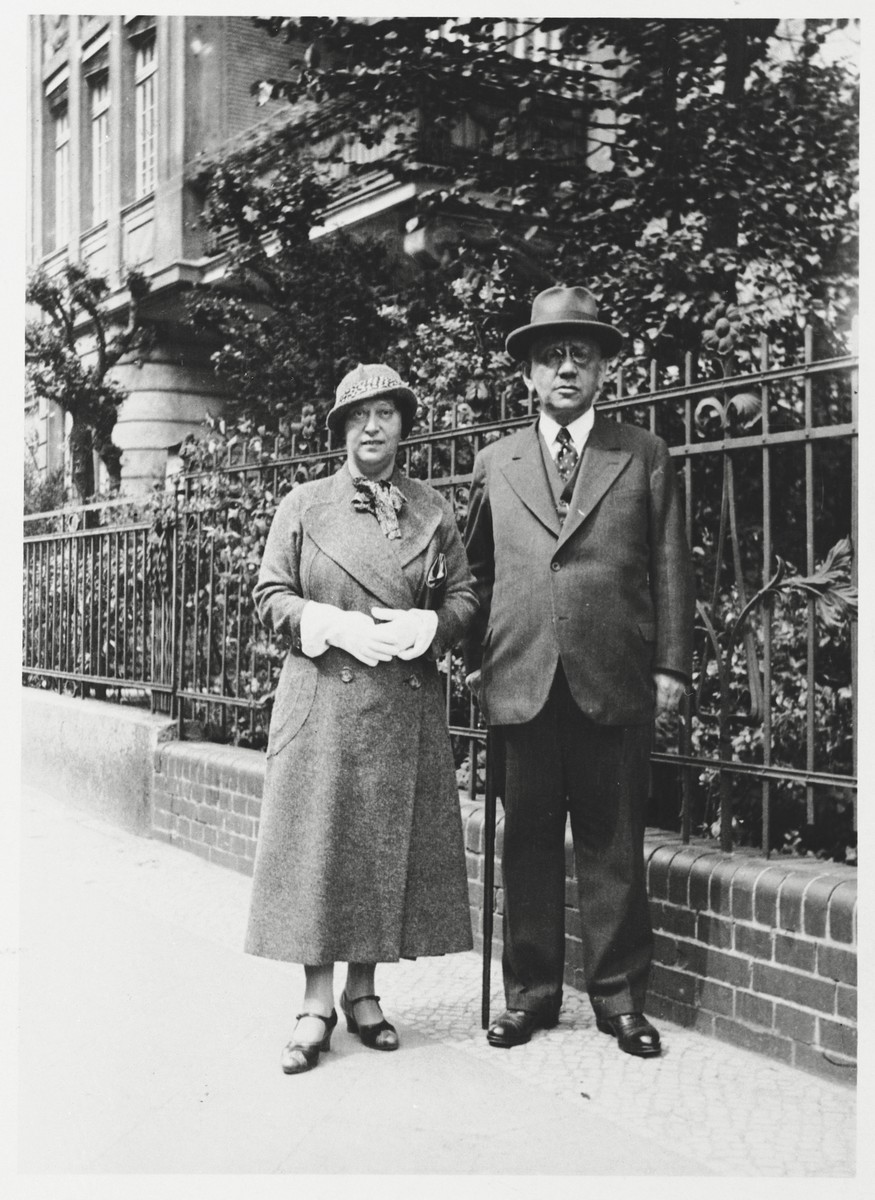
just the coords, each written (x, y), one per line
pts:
(252, 54)
(207, 799)
(759, 952)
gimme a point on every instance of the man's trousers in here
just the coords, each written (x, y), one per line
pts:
(557, 764)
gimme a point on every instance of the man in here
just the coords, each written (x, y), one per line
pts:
(576, 539)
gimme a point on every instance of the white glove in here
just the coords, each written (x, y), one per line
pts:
(361, 637)
(410, 630)
(323, 625)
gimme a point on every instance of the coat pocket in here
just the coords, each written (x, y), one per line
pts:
(436, 582)
(647, 630)
(294, 699)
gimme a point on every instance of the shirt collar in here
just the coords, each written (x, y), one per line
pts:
(579, 429)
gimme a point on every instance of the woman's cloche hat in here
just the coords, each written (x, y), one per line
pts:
(570, 309)
(366, 381)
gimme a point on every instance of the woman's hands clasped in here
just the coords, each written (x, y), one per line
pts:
(361, 637)
(390, 633)
(411, 630)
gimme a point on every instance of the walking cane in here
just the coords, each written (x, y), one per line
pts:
(488, 874)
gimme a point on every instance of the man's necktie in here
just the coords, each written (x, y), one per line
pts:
(566, 459)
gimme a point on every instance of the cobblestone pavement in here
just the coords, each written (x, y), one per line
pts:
(704, 1106)
(737, 1111)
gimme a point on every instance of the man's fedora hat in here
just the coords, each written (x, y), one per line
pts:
(567, 309)
(366, 381)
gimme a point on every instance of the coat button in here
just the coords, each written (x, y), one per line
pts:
(555, 566)
(415, 681)
(346, 675)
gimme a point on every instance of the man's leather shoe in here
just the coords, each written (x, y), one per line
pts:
(515, 1027)
(634, 1033)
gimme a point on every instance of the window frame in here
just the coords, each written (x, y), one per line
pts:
(145, 114)
(60, 112)
(99, 102)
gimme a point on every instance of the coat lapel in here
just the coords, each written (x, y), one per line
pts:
(526, 475)
(356, 543)
(420, 518)
(603, 461)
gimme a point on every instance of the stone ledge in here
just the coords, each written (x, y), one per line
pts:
(97, 755)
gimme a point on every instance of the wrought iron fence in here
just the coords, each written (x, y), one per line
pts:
(768, 466)
(93, 622)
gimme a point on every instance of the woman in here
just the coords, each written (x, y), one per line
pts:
(360, 854)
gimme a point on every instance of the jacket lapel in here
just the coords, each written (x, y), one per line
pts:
(603, 461)
(356, 543)
(526, 475)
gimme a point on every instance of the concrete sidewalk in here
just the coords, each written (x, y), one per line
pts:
(150, 1043)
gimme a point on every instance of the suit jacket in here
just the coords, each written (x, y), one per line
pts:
(609, 593)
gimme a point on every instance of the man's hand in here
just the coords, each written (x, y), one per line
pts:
(669, 691)
(473, 680)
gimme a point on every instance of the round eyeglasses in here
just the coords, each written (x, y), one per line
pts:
(555, 356)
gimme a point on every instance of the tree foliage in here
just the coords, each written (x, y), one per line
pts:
(43, 489)
(70, 351)
(292, 314)
(670, 164)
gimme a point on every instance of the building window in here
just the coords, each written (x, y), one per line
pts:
(145, 92)
(99, 149)
(62, 176)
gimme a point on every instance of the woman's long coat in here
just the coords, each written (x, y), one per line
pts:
(360, 854)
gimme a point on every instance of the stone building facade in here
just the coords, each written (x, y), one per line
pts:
(121, 111)
(117, 107)
(125, 117)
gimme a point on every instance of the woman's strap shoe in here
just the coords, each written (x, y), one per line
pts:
(298, 1057)
(634, 1033)
(379, 1036)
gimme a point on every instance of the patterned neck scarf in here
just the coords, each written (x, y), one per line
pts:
(382, 499)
